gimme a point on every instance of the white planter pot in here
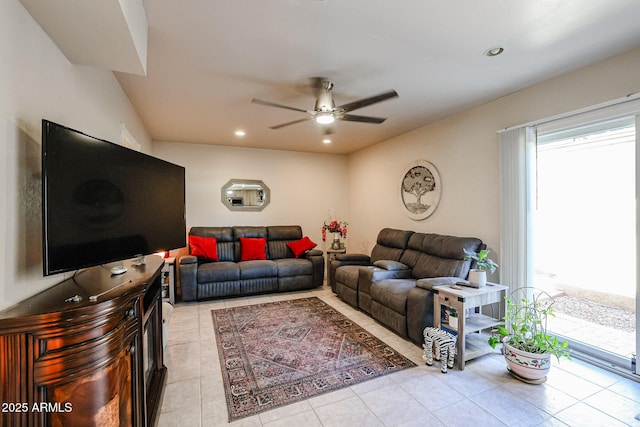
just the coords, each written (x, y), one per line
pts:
(530, 366)
(477, 277)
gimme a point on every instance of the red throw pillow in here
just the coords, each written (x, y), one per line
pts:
(253, 248)
(300, 247)
(204, 247)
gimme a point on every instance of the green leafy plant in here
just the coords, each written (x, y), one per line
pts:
(483, 262)
(524, 326)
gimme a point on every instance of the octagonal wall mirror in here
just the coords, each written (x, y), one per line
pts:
(245, 195)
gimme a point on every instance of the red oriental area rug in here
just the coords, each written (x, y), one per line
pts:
(274, 354)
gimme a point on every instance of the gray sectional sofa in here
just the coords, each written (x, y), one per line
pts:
(394, 283)
(280, 271)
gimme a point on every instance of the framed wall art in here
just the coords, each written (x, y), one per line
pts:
(420, 190)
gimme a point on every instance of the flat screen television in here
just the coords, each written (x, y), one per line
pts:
(102, 202)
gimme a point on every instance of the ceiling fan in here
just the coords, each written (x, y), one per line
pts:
(325, 111)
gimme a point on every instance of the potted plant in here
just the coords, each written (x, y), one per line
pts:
(478, 275)
(527, 347)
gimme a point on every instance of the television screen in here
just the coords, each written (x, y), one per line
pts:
(103, 202)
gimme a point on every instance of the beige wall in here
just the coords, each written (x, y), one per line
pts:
(464, 149)
(303, 186)
(36, 82)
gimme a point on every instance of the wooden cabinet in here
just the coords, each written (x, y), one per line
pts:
(88, 362)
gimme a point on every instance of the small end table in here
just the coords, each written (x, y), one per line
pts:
(331, 255)
(470, 345)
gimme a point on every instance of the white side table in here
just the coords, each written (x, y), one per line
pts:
(472, 342)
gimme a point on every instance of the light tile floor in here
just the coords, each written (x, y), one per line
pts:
(484, 394)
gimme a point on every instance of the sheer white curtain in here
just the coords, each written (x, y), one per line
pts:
(517, 157)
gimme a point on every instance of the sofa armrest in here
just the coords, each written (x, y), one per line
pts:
(420, 305)
(314, 252)
(352, 259)
(345, 259)
(188, 259)
(369, 275)
(188, 267)
(429, 283)
(316, 257)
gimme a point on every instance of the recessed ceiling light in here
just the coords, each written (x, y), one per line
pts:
(326, 141)
(240, 133)
(494, 51)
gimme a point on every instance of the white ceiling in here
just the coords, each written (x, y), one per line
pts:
(206, 60)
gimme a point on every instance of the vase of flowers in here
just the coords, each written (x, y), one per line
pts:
(339, 230)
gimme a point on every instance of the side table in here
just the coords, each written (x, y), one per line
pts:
(169, 280)
(472, 342)
(331, 255)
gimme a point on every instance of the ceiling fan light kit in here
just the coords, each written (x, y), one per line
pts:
(325, 112)
(325, 118)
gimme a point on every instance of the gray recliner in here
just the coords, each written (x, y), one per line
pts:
(345, 270)
(394, 284)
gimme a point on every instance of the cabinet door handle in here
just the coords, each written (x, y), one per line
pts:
(131, 313)
(132, 349)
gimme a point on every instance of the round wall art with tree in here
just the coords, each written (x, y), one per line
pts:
(420, 189)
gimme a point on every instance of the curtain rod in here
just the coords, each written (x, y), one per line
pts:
(628, 98)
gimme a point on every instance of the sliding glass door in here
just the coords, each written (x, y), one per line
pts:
(583, 234)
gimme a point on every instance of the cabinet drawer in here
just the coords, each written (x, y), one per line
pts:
(82, 329)
(85, 357)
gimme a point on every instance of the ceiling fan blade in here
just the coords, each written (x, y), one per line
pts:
(363, 119)
(290, 123)
(273, 104)
(367, 101)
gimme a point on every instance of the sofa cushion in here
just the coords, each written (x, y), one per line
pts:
(278, 237)
(390, 244)
(433, 266)
(203, 247)
(393, 238)
(224, 238)
(392, 293)
(222, 271)
(390, 265)
(289, 267)
(257, 269)
(284, 232)
(449, 246)
(347, 275)
(253, 249)
(440, 255)
(300, 247)
(384, 252)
